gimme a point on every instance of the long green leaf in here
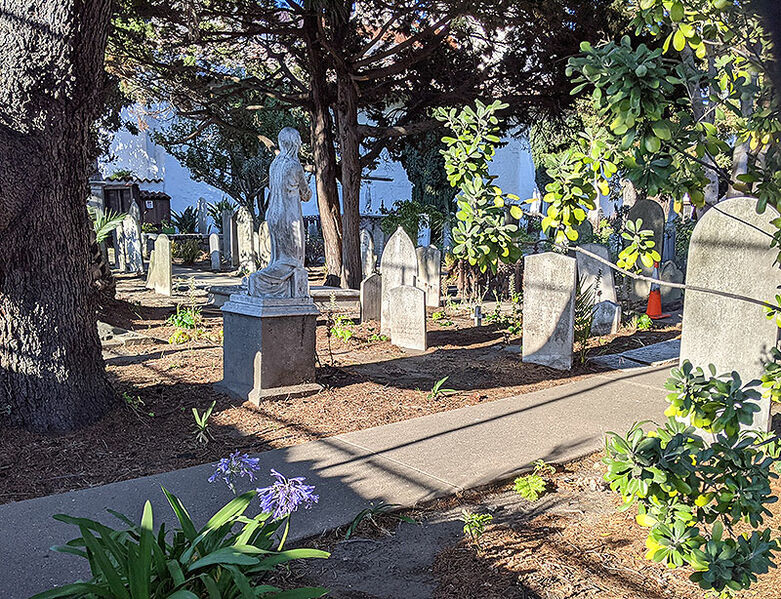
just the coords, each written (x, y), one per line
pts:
(302, 593)
(181, 513)
(77, 589)
(211, 586)
(105, 566)
(291, 554)
(231, 510)
(242, 582)
(224, 556)
(139, 573)
(182, 594)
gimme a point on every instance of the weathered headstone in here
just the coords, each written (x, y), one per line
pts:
(368, 257)
(730, 251)
(652, 215)
(398, 266)
(596, 274)
(430, 274)
(159, 276)
(246, 240)
(371, 298)
(234, 239)
(671, 273)
(214, 251)
(264, 245)
(549, 282)
(607, 318)
(203, 216)
(226, 235)
(131, 235)
(120, 258)
(408, 317)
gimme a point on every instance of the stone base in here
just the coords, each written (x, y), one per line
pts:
(268, 346)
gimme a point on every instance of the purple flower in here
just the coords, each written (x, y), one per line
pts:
(237, 465)
(286, 495)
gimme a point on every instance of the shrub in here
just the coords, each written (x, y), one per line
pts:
(187, 251)
(230, 557)
(692, 495)
(185, 221)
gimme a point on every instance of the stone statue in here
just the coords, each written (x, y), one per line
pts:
(285, 276)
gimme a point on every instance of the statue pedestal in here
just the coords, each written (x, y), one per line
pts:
(268, 347)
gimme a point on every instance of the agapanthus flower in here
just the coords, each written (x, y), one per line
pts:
(286, 495)
(238, 465)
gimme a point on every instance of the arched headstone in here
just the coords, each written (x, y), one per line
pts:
(730, 251)
(368, 257)
(430, 274)
(398, 266)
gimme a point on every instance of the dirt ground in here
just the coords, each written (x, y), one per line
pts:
(365, 384)
(573, 543)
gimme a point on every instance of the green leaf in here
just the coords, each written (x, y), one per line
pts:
(77, 589)
(224, 556)
(652, 144)
(662, 130)
(676, 12)
(679, 40)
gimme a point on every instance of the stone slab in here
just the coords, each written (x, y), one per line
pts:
(615, 362)
(111, 336)
(657, 354)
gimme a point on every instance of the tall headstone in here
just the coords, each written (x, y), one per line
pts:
(214, 251)
(368, 257)
(371, 298)
(120, 257)
(408, 317)
(670, 272)
(264, 245)
(730, 251)
(652, 215)
(159, 275)
(245, 228)
(226, 235)
(549, 282)
(131, 233)
(234, 239)
(430, 274)
(398, 266)
(599, 276)
(202, 211)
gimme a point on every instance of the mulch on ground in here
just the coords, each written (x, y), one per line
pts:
(366, 384)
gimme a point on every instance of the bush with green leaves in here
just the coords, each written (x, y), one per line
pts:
(104, 222)
(215, 210)
(185, 221)
(474, 525)
(703, 492)
(533, 486)
(233, 556)
(188, 251)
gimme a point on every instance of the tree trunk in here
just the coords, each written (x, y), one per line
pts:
(321, 129)
(52, 375)
(349, 144)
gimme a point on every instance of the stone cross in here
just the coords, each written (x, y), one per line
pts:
(549, 283)
(398, 266)
(203, 216)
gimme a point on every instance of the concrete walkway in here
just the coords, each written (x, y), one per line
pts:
(404, 463)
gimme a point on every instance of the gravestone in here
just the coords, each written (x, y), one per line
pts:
(234, 239)
(652, 216)
(594, 273)
(408, 317)
(371, 298)
(159, 275)
(226, 235)
(214, 251)
(264, 245)
(430, 274)
(131, 235)
(549, 282)
(671, 273)
(120, 258)
(245, 240)
(368, 257)
(607, 318)
(203, 216)
(398, 266)
(730, 251)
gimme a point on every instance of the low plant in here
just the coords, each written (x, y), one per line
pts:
(201, 431)
(149, 228)
(771, 379)
(437, 391)
(643, 322)
(534, 485)
(104, 222)
(704, 503)
(341, 328)
(188, 251)
(185, 221)
(440, 318)
(188, 319)
(373, 511)
(233, 556)
(136, 405)
(474, 525)
(375, 336)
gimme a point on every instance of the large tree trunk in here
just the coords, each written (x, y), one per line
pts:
(324, 156)
(52, 376)
(349, 144)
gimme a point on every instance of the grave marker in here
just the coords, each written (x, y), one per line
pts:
(398, 266)
(371, 298)
(430, 274)
(159, 276)
(408, 317)
(214, 251)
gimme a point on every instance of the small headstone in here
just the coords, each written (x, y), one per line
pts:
(226, 235)
(430, 274)
(607, 318)
(730, 251)
(398, 266)
(368, 257)
(132, 241)
(214, 251)
(264, 245)
(549, 282)
(671, 273)
(246, 240)
(371, 298)
(652, 215)
(596, 274)
(159, 276)
(408, 317)
(203, 216)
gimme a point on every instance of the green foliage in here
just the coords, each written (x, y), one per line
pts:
(641, 245)
(104, 222)
(188, 251)
(121, 173)
(232, 556)
(683, 234)
(474, 525)
(771, 379)
(691, 494)
(481, 236)
(510, 323)
(188, 319)
(410, 215)
(643, 322)
(440, 318)
(585, 298)
(533, 486)
(185, 221)
(201, 431)
(215, 210)
(341, 328)
(373, 511)
(437, 391)
(135, 404)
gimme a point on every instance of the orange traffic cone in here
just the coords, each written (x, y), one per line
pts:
(654, 309)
